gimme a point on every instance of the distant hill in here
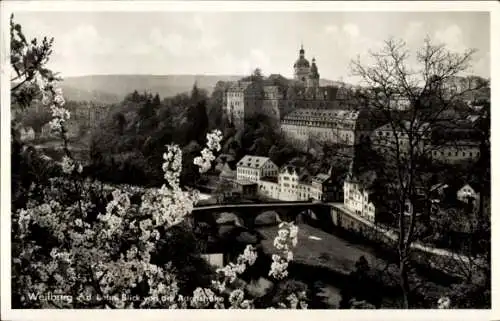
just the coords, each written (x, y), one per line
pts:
(113, 88)
(76, 94)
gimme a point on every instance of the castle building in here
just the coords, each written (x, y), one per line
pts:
(243, 99)
(277, 96)
(347, 127)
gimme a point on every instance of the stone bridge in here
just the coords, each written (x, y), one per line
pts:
(320, 213)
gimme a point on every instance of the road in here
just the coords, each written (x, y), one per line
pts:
(391, 234)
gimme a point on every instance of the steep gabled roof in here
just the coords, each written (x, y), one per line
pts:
(302, 173)
(321, 178)
(472, 184)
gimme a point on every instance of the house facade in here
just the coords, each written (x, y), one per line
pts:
(253, 168)
(467, 194)
(357, 200)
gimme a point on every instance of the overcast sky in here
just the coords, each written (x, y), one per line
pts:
(235, 43)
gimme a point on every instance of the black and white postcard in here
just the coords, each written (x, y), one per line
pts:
(247, 155)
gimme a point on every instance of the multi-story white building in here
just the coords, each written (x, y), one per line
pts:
(253, 168)
(27, 134)
(295, 183)
(357, 198)
(269, 187)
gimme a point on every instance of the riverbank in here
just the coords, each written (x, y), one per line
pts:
(331, 258)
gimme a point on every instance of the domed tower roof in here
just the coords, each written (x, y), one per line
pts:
(302, 61)
(313, 73)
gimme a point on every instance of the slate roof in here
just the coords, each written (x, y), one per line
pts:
(239, 86)
(406, 125)
(320, 178)
(252, 161)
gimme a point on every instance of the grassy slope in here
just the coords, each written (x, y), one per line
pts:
(331, 251)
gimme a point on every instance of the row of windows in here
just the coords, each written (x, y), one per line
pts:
(367, 208)
(272, 187)
(270, 172)
(236, 103)
(247, 171)
(333, 125)
(325, 135)
(300, 187)
(463, 153)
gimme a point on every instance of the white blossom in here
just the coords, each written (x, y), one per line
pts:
(444, 303)
(67, 164)
(204, 162)
(236, 298)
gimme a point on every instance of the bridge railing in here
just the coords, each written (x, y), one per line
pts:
(259, 204)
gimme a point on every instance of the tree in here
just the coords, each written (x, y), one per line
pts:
(30, 77)
(147, 110)
(389, 78)
(35, 119)
(28, 59)
(120, 122)
(215, 107)
(156, 101)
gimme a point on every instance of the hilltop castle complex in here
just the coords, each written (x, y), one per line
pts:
(302, 108)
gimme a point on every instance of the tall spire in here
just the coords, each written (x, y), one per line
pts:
(302, 50)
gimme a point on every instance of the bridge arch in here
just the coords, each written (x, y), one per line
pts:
(267, 218)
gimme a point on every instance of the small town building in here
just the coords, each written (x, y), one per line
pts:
(245, 188)
(27, 134)
(253, 168)
(327, 187)
(363, 199)
(269, 187)
(295, 183)
(469, 194)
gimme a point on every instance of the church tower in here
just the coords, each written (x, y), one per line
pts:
(301, 67)
(313, 77)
